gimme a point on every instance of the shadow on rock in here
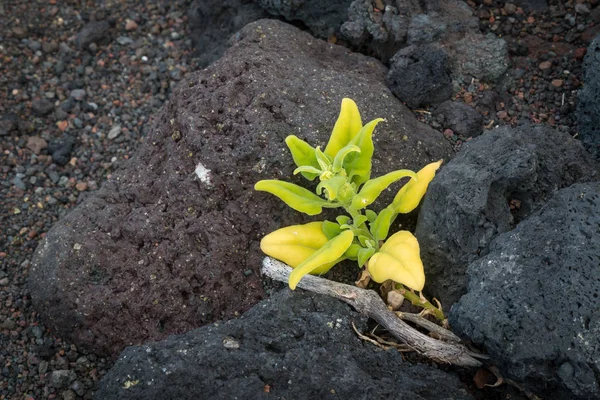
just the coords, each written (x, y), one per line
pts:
(295, 345)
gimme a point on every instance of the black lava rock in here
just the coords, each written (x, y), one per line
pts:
(588, 107)
(420, 75)
(60, 149)
(42, 107)
(497, 180)
(460, 117)
(93, 32)
(213, 22)
(8, 123)
(322, 18)
(295, 345)
(533, 301)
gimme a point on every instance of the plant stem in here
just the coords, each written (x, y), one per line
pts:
(421, 302)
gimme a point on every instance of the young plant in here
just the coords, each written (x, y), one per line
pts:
(344, 173)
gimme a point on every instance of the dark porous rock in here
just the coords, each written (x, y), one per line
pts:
(479, 56)
(8, 123)
(93, 32)
(534, 299)
(460, 117)
(41, 107)
(496, 181)
(212, 23)
(588, 106)
(171, 241)
(532, 5)
(424, 29)
(60, 149)
(295, 345)
(385, 31)
(61, 379)
(420, 75)
(322, 18)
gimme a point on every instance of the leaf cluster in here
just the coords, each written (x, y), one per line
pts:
(343, 171)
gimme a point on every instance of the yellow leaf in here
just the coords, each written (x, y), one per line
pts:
(329, 254)
(399, 259)
(294, 244)
(346, 127)
(410, 195)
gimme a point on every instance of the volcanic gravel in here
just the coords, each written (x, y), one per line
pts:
(80, 82)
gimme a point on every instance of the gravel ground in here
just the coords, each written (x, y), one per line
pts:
(71, 112)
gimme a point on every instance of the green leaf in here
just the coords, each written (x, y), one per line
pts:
(297, 197)
(331, 251)
(341, 155)
(307, 170)
(332, 186)
(371, 215)
(364, 254)
(362, 239)
(359, 220)
(342, 219)
(373, 188)
(303, 155)
(323, 159)
(381, 226)
(331, 229)
(358, 165)
(346, 127)
(352, 252)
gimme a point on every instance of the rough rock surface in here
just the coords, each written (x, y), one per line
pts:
(171, 242)
(385, 30)
(212, 23)
(479, 56)
(322, 18)
(461, 118)
(93, 32)
(588, 106)
(496, 180)
(295, 345)
(534, 300)
(532, 5)
(420, 75)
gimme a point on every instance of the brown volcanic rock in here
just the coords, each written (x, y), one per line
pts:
(171, 242)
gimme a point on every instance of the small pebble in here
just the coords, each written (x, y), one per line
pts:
(36, 144)
(130, 25)
(78, 94)
(114, 132)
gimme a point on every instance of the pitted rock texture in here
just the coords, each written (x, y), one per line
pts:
(385, 30)
(213, 22)
(295, 345)
(460, 117)
(478, 56)
(322, 18)
(496, 181)
(534, 300)
(94, 32)
(420, 76)
(588, 105)
(171, 242)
